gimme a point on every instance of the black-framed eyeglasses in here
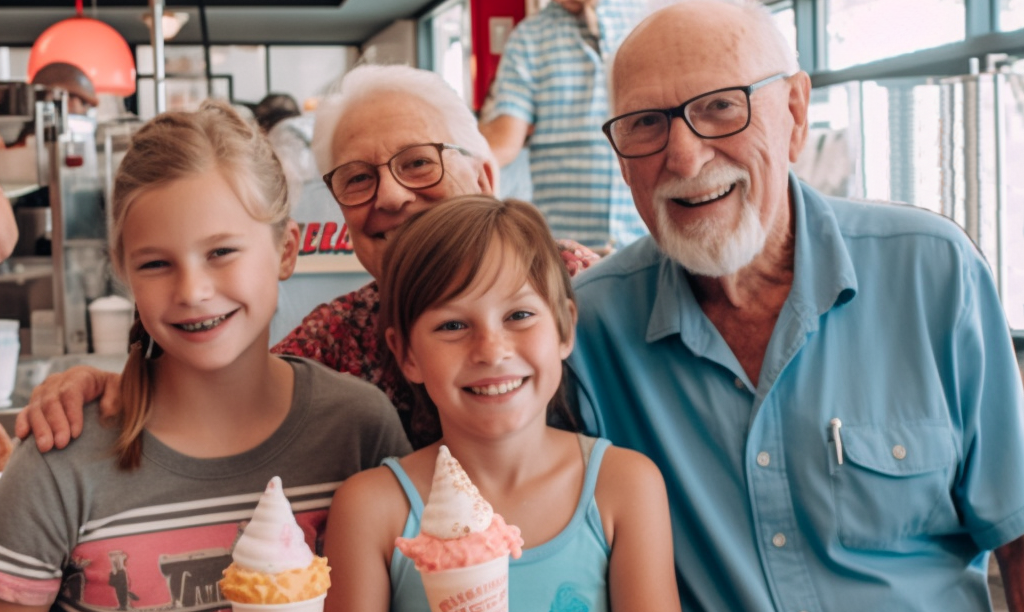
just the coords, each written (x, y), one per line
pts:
(716, 114)
(415, 167)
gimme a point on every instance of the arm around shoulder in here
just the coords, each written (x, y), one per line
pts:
(54, 412)
(634, 509)
(366, 515)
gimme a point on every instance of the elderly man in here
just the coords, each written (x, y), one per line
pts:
(373, 142)
(828, 386)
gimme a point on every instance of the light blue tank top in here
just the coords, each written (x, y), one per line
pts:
(568, 573)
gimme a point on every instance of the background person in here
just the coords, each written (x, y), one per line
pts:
(479, 314)
(273, 109)
(551, 87)
(81, 93)
(828, 386)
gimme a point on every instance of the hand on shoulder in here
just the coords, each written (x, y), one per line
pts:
(54, 412)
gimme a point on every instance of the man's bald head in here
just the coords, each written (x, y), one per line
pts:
(709, 33)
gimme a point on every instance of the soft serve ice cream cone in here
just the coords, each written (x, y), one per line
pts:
(272, 564)
(463, 547)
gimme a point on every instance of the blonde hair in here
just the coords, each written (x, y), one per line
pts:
(437, 254)
(171, 147)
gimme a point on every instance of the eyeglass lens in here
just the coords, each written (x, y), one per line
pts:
(712, 115)
(414, 168)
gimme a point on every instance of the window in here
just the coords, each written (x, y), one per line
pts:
(1011, 15)
(452, 47)
(861, 31)
(785, 20)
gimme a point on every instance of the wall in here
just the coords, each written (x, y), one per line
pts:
(306, 72)
(485, 14)
(395, 44)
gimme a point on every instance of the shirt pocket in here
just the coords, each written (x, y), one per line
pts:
(894, 484)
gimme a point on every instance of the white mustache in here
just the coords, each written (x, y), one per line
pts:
(707, 181)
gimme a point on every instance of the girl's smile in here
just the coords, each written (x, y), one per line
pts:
(203, 271)
(501, 388)
(204, 324)
(490, 357)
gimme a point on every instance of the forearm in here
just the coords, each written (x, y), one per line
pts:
(6, 448)
(8, 227)
(1011, 566)
(506, 136)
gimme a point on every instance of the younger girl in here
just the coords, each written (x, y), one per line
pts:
(478, 313)
(144, 515)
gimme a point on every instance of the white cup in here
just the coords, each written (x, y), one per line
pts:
(478, 587)
(111, 320)
(307, 605)
(9, 347)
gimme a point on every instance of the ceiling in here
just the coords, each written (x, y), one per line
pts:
(310, 22)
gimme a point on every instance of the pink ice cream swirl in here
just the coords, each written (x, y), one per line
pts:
(433, 554)
(458, 527)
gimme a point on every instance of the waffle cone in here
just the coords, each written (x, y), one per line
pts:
(246, 586)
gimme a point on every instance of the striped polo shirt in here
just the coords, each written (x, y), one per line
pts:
(552, 78)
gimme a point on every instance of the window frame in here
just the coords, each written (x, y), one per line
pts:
(981, 38)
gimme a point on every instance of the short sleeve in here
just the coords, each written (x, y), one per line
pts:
(989, 392)
(516, 84)
(35, 535)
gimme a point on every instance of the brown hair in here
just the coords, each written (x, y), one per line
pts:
(171, 147)
(437, 254)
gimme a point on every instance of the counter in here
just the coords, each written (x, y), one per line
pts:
(32, 371)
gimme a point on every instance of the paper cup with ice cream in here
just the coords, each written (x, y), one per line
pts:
(273, 569)
(463, 547)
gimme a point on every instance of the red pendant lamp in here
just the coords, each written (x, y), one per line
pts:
(95, 47)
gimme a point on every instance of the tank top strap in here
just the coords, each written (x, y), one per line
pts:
(415, 501)
(593, 452)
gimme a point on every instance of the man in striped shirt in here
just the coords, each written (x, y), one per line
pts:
(551, 88)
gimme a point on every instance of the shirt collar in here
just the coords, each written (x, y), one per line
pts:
(823, 276)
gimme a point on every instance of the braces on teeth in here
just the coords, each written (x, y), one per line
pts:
(203, 325)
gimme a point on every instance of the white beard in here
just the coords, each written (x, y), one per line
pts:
(708, 247)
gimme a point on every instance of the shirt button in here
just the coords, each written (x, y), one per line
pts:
(763, 459)
(779, 540)
(739, 383)
(899, 452)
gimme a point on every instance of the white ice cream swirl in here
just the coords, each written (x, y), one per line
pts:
(272, 542)
(454, 507)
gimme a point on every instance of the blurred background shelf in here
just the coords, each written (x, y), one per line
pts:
(16, 190)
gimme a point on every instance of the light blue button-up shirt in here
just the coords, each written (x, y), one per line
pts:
(893, 326)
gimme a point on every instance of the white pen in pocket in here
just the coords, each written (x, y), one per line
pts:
(834, 425)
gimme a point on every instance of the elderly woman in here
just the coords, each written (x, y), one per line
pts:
(393, 142)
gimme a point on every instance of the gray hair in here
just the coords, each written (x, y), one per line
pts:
(369, 82)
